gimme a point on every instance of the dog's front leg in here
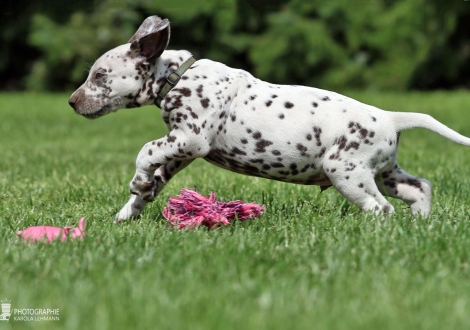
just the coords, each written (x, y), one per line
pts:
(156, 163)
(154, 155)
(131, 209)
(162, 175)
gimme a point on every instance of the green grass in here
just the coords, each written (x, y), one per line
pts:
(313, 261)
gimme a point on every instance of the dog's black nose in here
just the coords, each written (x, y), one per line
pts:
(72, 102)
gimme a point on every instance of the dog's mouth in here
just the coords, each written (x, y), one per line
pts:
(103, 111)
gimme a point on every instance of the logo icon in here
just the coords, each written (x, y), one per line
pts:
(6, 310)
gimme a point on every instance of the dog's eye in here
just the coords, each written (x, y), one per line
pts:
(99, 75)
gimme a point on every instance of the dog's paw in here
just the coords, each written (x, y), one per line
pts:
(144, 187)
(127, 213)
(131, 210)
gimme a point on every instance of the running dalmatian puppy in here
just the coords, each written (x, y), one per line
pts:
(231, 119)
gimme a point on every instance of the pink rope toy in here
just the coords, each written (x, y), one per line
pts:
(191, 209)
(48, 234)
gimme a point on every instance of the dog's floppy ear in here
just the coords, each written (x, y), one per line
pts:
(151, 38)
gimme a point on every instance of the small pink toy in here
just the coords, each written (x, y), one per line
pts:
(48, 233)
(191, 209)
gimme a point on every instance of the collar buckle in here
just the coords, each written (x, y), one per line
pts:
(172, 79)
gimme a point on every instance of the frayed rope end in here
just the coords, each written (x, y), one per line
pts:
(190, 209)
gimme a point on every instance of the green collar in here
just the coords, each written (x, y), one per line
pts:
(172, 80)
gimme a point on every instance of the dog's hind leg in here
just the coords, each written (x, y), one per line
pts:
(359, 188)
(163, 174)
(414, 191)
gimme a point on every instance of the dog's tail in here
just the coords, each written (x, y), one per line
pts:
(407, 120)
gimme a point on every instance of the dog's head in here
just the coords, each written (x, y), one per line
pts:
(116, 78)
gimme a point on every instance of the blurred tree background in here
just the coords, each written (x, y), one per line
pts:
(332, 44)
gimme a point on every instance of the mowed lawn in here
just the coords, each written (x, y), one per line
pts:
(313, 261)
